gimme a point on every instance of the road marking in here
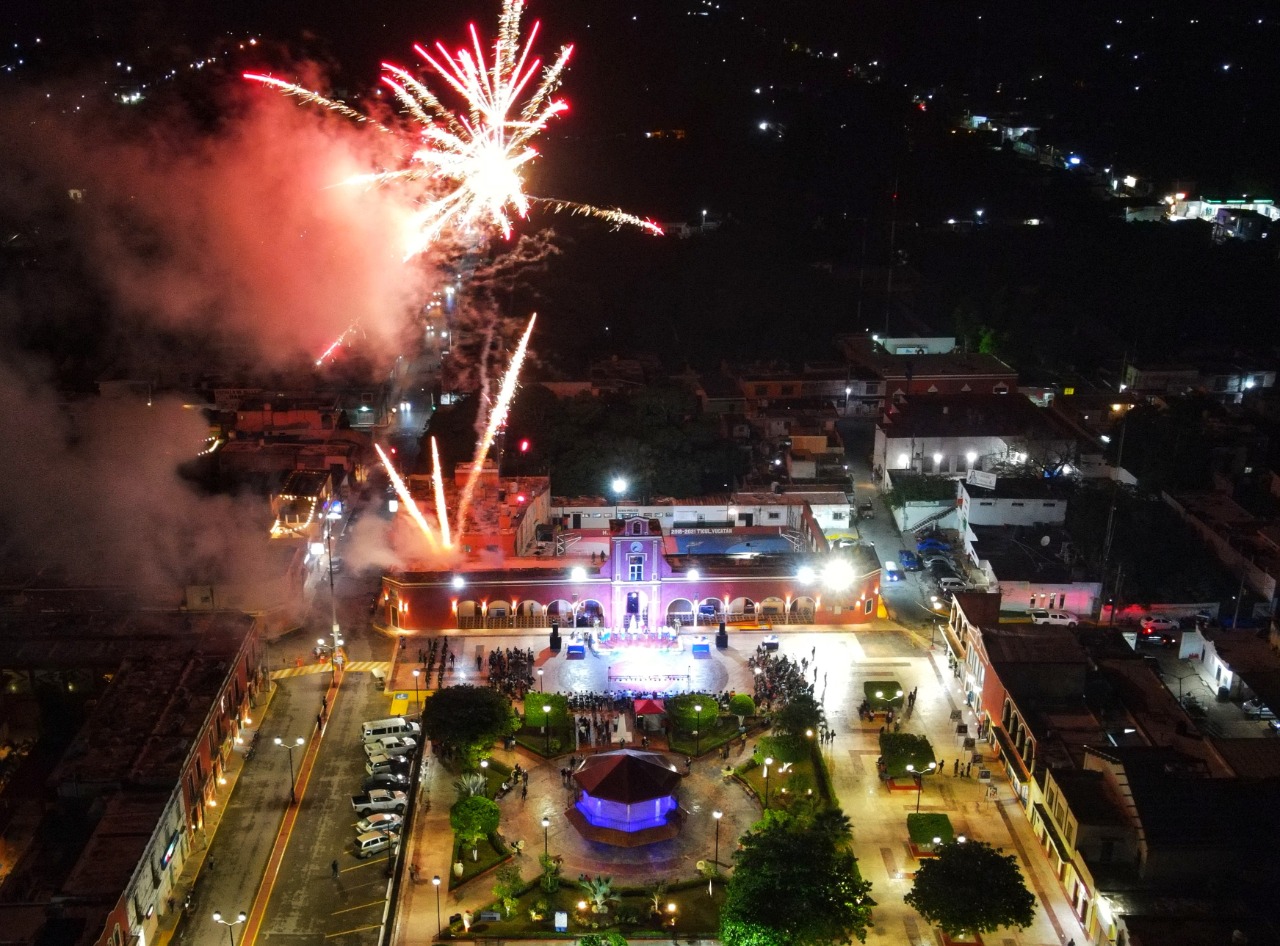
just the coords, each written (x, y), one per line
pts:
(259, 908)
(358, 929)
(371, 903)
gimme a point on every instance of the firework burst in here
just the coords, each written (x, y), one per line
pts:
(470, 164)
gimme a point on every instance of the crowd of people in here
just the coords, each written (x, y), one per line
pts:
(779, 678)
(511, 671)
(435, 657)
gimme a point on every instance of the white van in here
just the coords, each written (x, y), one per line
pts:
(952, 584)
(371, 843)
(375, 729)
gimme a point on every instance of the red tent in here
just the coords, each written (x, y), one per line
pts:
(647, 707)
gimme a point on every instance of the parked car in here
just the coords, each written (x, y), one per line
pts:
(952, 584)
(932, 545)
(391, 746)
(371, 843)
(866, 511)
(1041, 616)
(1160, 624)
(891, 572)
(392, 781)
(1155, 639)
(909, 560)
(931, 560)
(380, 764)
(1256, 709)
(381, 821)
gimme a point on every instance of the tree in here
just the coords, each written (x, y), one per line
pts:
(798, 715)
(474, 818)
(468, 720)
(971, 887)
(742, 705)
(793, 885)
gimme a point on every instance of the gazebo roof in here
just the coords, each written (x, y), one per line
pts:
(645, 706)
(627, 775)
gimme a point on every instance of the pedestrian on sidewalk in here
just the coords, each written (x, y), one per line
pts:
(956, 768)
(524, 791)
(209, 861)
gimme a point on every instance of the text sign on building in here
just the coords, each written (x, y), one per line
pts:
(980, 478)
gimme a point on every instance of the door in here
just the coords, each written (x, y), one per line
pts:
(577, 520)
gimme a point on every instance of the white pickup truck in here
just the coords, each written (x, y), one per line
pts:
(380, 799)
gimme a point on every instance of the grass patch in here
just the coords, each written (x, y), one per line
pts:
(491, 854)
(900, 749)
(923, 828)
(715, 735)
(791, 776)
(884, 695)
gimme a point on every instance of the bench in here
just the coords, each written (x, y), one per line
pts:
(490, 916)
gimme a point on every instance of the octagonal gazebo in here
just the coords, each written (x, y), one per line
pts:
(627, 798)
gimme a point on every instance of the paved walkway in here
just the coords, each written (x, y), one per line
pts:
(844, 662)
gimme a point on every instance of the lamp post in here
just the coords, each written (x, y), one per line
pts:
(288, 747)
(619, 486)
(240, 918)
(717, 815)
(768, 761)
(333, 599)
(435, 882)
(546, 823)
(539, 679)
(546, 726)
(697, 733)
(417, 700)
(919, 777)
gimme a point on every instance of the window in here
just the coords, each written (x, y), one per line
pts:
(870, 607)
(986, 502)
(873, 387)
(635, 568)
(1017, 505)
(773, 516)
(837, 517)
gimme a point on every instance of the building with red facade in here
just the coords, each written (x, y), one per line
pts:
(645, 578)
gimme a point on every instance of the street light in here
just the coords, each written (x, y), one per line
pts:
(288, 747)
(240, 918)
(768, 761)
(546, 725)
(697, 733)
(435, 882)
(546, 823)
(717, 815)
(417, 700)
(919, 777)
(619, 486)
(333, 599)
(539, 679)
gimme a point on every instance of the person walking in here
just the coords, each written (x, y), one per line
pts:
(333, 869)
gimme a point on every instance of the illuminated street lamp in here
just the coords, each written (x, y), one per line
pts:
(546, 725)
(539, 679)
(697, 733)
(230, 925)
(717, 815)
(289, 747)
(417, 700)
(619, 486)
(546, 824)
(435, 882)
(919, 777)
(768, 761)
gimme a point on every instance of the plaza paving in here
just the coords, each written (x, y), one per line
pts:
(844, 660)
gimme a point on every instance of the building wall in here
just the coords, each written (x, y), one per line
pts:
(982, 509)
(1081, 597)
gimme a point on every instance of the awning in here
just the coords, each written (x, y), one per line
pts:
(1053, 834)
(647, 707)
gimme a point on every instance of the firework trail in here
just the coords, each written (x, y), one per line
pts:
(437, 483)
(470, 165)
(496, 419)
(337, 343)
(405, 497)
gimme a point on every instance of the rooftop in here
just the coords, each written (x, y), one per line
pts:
(973, 415)
(1019, 553)
(1033, 644)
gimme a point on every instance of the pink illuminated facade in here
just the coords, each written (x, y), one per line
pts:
(642, 582)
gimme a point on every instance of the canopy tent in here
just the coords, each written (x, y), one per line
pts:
(647, 707)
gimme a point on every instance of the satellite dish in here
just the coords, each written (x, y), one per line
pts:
(1044, 541)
